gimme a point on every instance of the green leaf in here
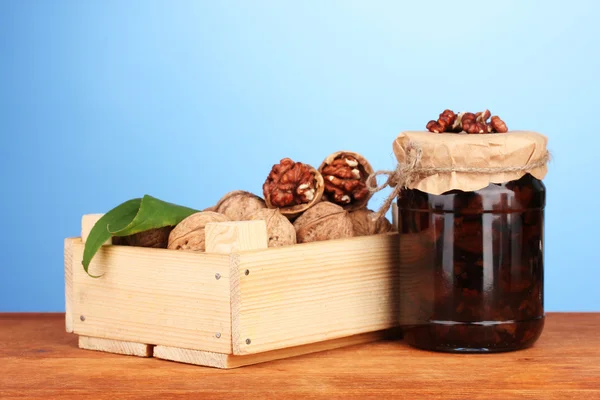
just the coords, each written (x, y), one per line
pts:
(153, 213)
(130, 217)
(120, 215)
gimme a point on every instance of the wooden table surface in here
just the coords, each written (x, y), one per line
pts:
(39, 360)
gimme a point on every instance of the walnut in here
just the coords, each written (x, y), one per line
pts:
(498, 125)
(483, 116)
(323, 221)
(157, 238)
(363, 223)
(445, 121)
(238, 205)
(457, 124)
(280, 230)
(345, 174)
(472, 124)
(189, 234)
(467, 122)
(293, 187)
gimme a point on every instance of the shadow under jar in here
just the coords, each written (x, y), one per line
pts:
(472, 267)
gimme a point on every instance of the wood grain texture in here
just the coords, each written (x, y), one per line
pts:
(68, 247)
(227, 361)
(195, 357)
(153, 296)
(233, 237)
(228, 238)
(38, 360)
(313, 292)
(115, 346)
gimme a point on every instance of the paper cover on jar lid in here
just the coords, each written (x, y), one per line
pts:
(472, 161)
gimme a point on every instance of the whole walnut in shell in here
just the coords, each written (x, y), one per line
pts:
(363, 223)
(323, 221)
(156, 238)
(280, 230)
(189, 234)
(238, 205)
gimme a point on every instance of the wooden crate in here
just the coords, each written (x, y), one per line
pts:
(239, 303)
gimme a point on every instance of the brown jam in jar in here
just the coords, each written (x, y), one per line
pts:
(472, 267)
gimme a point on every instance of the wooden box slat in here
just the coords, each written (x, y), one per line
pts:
(314, 292)
(153, 296)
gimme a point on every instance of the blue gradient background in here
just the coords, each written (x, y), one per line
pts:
(105, 101)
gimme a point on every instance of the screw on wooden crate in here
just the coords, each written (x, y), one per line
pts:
(218, 335)
(82, 318)
(248, 341)
(217, 276)
(247, 272)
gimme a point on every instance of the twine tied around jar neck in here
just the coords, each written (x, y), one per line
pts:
(407, 173)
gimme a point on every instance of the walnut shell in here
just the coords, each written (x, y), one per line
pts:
(189, 234)
(156, 238)
(280, 230)
(294, 210)
(363, 170)
(323, 221)
(238, 205)
(363, 223)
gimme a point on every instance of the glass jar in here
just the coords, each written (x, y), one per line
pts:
(472, 267)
